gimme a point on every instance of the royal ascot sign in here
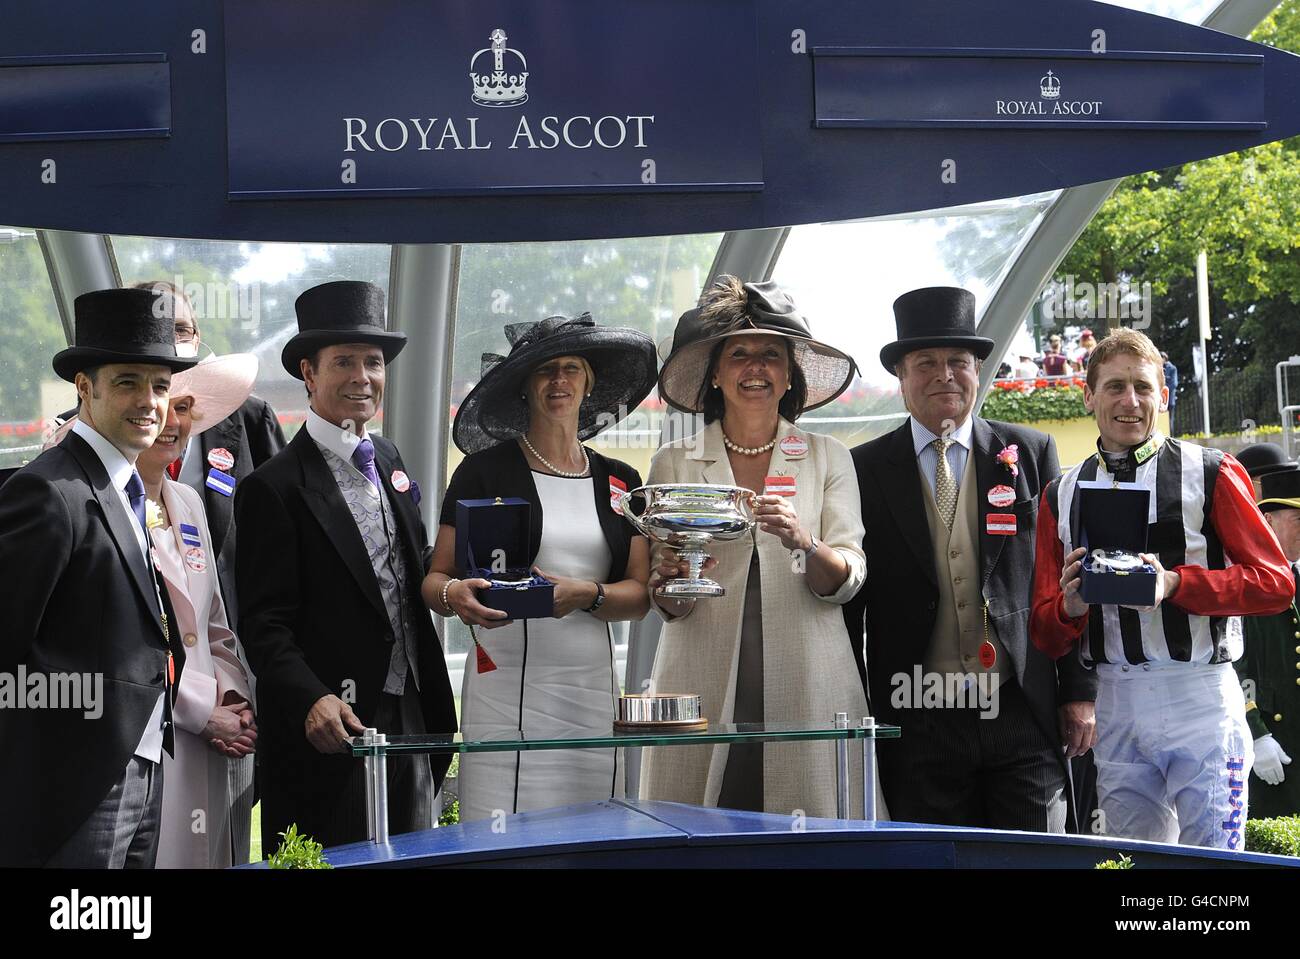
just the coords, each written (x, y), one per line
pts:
(499, 101)
(882, 87)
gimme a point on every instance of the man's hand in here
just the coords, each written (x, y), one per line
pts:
(1071, 580)
(330, 724)
(1077, 722)
(1167, 581)
(1270, 757)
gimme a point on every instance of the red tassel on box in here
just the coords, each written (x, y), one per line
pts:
(485, 664)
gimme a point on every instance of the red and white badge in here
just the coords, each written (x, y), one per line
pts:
(616, 490)
(221, 458)
(794, 447)
(401, 482)
(1001, 524)
(988, 655)
(196, 559)
(779, 486)
(1002, 496)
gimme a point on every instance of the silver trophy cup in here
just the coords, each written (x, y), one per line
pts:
(687, 517)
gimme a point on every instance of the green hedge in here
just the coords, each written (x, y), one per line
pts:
(1044, 403)
(1280, 836)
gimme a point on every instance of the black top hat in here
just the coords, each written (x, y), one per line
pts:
(121, 326)
(622, 363)
(935, 316)
(1261, 458)
(345, 311)
(1280, 489)
(768, 309)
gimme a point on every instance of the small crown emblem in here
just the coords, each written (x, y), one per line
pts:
(499, 74)
(1049, 86)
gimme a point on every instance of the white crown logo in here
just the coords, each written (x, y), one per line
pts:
(505, 84)
(1049, 86)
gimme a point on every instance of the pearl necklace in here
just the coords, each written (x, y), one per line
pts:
(745, 450)
(586, 461)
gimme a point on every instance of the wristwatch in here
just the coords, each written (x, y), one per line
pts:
(812, 547)
(600, 599)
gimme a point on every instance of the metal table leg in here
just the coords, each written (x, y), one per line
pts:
(381, 788)
(869, 771)
(367, 739)
(842, 769)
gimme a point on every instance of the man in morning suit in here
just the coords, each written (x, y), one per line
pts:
(81, 600)
(331, 557)
(948, 504)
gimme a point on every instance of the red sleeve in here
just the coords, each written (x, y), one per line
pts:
(1258, 582)
(1051, 630)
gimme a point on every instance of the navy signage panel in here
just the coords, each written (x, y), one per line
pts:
(490, 97)
(463, 121)
(1020, 89)
(84, 97)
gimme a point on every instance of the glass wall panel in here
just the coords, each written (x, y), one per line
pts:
(243, 294)
(30, 334)
(845, 277)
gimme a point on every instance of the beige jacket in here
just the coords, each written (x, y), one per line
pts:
(809, 672)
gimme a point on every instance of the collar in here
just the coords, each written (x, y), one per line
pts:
(115, 464)
(1131, 458)
(922, 437)
(334, 438)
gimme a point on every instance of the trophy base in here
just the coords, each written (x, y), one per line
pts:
(690, 589)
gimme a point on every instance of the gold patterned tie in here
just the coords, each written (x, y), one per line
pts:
(945, 486)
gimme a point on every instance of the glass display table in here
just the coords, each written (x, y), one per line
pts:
(374, 748)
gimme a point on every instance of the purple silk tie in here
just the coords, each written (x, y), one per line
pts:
(363, 458)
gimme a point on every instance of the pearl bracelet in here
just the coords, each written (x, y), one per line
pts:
(446, 605)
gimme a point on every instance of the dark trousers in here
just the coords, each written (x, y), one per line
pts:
(410, 778)
(122, 832)
(953, 767)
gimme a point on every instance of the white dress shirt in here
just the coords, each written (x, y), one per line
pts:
(119, 473)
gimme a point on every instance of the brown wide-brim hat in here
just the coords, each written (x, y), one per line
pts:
(622, 364)
(331, 314)
(934, 316)
(121, 326)
(826, 370)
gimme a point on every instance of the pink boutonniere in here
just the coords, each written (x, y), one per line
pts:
(1009, 457)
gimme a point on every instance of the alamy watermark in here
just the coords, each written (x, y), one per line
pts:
(930, 690)
(36, 690)
(1068, 299)
(217, 301)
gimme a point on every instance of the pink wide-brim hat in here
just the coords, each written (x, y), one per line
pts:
(218, 385)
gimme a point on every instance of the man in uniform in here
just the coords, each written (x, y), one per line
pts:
(1270, 667)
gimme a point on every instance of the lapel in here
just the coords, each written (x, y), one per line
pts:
(220, 509)
(985, 446)
(610, 522)
(189, 585)
(711, 455)
(900, 482)
(119, 522)
(404, 508)
(324, 499)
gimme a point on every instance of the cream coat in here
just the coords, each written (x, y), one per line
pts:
(197, 778)
(809, 673)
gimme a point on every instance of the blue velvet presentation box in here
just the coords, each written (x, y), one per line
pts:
(492, 544)
(1114, 517)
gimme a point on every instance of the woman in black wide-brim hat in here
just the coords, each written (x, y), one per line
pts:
(564, 380)
(774, 647)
